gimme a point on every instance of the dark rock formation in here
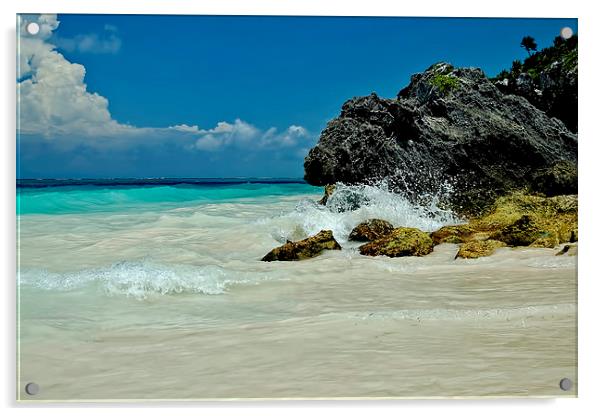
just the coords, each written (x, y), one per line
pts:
(558, 179)
(448, 125)
(304, 249)
(371, 230)
(401, 242)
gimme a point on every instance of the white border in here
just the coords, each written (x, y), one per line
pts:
(590, 151)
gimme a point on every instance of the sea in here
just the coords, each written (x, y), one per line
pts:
(153, 289)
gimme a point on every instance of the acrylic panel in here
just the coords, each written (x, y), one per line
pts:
(234, 207)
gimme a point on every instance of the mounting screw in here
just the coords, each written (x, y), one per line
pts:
(32, 389)
(566, 384)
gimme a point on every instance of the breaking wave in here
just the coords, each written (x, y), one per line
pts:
(351, 204)
(142, 279)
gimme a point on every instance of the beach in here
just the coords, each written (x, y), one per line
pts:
(158, 292)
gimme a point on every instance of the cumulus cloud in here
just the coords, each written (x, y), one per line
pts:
(52, 96)
(242, 134)
(53, 101)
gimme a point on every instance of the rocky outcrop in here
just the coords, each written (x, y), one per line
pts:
(515, 220)
(558, 179)
(401, 242)
(304, 249)
(371, 230)
(548, 79)
(448, 125)
(328, 191)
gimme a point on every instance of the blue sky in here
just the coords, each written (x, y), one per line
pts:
(215, 96)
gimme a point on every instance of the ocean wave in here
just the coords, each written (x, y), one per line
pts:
(351, 204)
(142, 279)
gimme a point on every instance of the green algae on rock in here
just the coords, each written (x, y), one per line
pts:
(304, 249)
(478, 248)
(521, 220)
(517, 219)
(371, 230)
(401, 242)
(455, 234)
(522, 232)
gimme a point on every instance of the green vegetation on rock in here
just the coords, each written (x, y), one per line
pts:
(563, 51)
(548, 79)
(444, 83)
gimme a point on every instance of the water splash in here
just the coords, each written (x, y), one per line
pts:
(351, 204)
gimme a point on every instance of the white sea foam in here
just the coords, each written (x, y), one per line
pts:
(142, 279)
(351, 204)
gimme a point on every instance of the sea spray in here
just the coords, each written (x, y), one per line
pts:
(351, 204)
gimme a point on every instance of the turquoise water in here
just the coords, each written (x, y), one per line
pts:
(93, 198)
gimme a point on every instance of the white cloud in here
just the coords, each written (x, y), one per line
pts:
(292, 136)
(243, 135)
(53, 101)
(52, 97)
(185, 128)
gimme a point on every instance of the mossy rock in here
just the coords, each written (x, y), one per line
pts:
(454, 234)
(478, 248)
(522, 220)
(328, 191)
(304, 249)
(371, 230)
(519, 219)
(549, 239)
(522, 232)
(401, 242)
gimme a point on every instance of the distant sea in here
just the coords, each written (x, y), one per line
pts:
(56, 196)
